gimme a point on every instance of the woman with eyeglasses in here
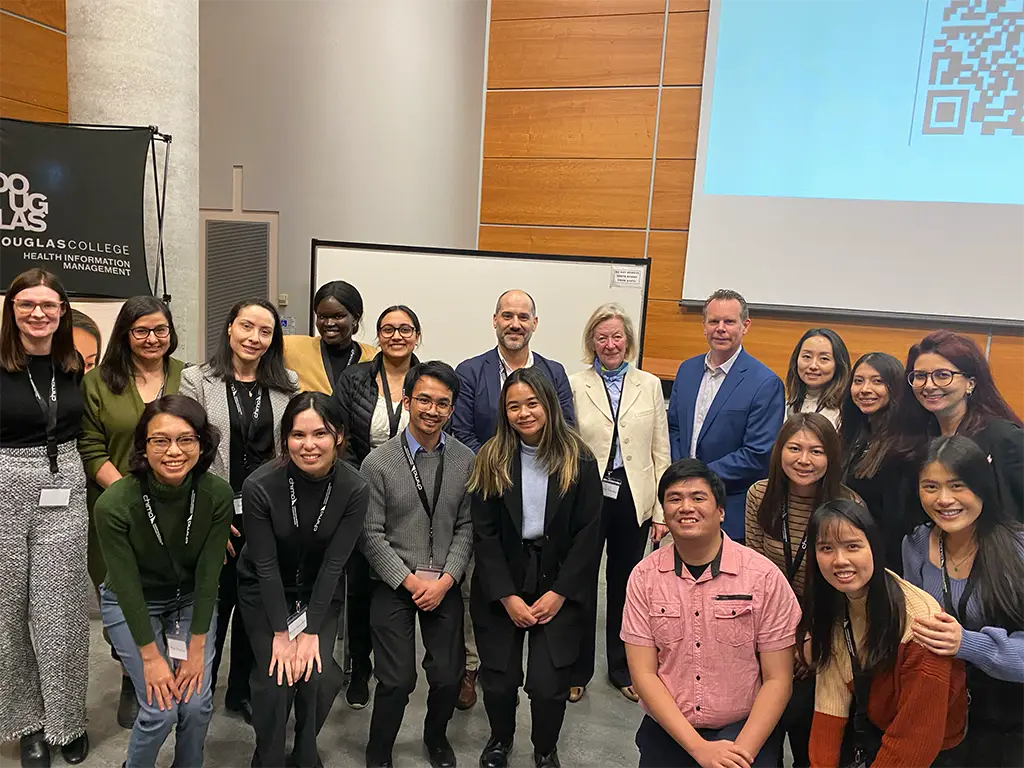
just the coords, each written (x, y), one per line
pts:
(303, 516)
(163, 529)
(819, 375)
(955, 394)
(43, 526)
(370, 395)
(137, 369)
(244, 389)
(88, 339)
(320, 360)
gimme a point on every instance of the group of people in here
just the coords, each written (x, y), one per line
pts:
(287, 479)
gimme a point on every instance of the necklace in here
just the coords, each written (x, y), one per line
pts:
(956, 565)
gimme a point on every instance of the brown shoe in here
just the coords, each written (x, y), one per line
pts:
(576, 693)
(467, 692)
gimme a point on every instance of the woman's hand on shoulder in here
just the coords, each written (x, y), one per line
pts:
(941, 634)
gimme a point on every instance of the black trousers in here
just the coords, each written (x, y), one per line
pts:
(272, 703)
(241, 651)
(626, 542)
(659, 750)
(360, 590)
(393, 626)
(546, 685)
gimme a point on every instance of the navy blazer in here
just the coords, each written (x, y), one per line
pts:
(740, 429)
(476, 409)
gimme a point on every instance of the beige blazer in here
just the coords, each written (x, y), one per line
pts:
(643, 432)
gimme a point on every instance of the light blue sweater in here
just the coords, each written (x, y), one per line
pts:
(535, 494)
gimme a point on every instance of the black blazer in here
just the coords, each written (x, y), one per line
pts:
(569, 562)
(357, 393)
(1003, 442)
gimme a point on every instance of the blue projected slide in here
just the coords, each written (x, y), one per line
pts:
(919, 100)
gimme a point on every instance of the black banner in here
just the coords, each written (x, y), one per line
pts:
(71, 202)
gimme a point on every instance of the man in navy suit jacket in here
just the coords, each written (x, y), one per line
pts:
(482, 377)
(726, 408)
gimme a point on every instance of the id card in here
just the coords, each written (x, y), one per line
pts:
(296, 623)
(177, 647)
(428, 572)
(238, 505)
(610, 486)
(54, 497)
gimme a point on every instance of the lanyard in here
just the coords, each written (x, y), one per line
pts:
(615, 424)
(179, 572)
(250, 432)
(328, 368)
(49, 409)
(792, 563)
(293, 499)
(861, 689)
(428, 508)
(960, 614)
(394, 416)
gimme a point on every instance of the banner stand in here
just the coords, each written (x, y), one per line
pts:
(161, 200)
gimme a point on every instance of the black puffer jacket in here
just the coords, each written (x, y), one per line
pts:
(357, 393)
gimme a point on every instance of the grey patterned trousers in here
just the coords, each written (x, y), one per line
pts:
(44, 620)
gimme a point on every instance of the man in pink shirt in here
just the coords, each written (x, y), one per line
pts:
(709, 628)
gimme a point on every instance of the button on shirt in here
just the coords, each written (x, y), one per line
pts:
(710, 383)
(708, 632)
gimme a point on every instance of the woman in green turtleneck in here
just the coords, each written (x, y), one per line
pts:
(163, 530)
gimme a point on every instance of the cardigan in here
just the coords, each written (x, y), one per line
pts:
(303, 356)
(920, 703)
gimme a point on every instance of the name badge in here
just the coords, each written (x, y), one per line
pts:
(54, 497)
(296, 623)
(428, 572)
(177, 647)
(238, 505)
(610, 486)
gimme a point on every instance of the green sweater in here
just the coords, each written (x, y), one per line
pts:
(139, 569)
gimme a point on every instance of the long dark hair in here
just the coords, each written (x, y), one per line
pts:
(117, 368)
(776, 493)
(270, 371)
(832, 396)
(998, 570)
(62, 346)
(867, 445)
(185, 408)
(325, 406)
(824, 606)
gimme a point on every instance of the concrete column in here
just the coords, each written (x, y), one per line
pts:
(136, 62)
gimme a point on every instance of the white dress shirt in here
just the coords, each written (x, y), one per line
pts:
(504, 369)
(710, 383)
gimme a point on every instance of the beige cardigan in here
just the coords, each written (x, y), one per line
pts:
(302, 355)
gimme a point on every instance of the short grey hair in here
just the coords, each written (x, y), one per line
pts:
(610, 311)
(724, 294)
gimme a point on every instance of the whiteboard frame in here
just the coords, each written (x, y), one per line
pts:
(475, 253)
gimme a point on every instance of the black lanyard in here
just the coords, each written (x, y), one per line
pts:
(394, 414)
(428, 508)
(179, 571)
(861, 690)
(49, 409)
(615, 422)
(249, 434)
(293, 499)
(792, 563)
(329, 368)
(959, 614)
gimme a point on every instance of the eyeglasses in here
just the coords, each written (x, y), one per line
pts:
(941, 377)
(141, 334)
(27, 307)
(443, 406)
(405, 331)
(161, 444)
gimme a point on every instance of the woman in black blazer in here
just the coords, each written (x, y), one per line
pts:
(536, 522)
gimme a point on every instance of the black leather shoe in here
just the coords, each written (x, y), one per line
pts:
(76, 751)
(376, 762)
(441, 754)
(128, 704)
(550, 760)
(358, 693)
(240, 707)
(495, 754)
(35, 752)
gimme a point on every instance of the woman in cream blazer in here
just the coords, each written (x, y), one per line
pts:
(631, 468)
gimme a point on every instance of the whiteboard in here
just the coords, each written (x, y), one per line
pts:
(454, 293)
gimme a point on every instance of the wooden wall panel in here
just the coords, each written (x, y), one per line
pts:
(33, 64)
(50, 13)
(678, 124)
(592, 51)
(1006, 357)
(672, 195)
(503, 10)
(689, 5)
(684, 49)
(574, 193)
(621, 243)
(667, 251)
(603, 123)
(20, 110)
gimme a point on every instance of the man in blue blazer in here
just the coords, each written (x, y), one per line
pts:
(482, 377)
(726, 407)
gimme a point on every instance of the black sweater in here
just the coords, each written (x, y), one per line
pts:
(274, 551)
(22, 422)
(357, 393)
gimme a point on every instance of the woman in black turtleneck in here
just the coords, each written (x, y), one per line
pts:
(303, 515)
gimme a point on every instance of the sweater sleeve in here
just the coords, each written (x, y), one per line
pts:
(374, 542)
(461, 548)
(92, 443)
(755, 536)
(211, 558)
(995, 652)
(261, 551)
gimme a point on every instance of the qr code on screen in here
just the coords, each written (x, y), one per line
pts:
(976, 77)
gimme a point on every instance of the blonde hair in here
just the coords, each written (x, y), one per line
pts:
(559, 451)
(610, 311)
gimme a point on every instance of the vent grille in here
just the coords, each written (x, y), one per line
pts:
(237, 267)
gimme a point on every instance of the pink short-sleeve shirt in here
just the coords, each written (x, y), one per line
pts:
(708, 632)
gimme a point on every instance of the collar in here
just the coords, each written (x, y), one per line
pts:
(504, 363)
(414, 446)
(727, 560)
(726, 366)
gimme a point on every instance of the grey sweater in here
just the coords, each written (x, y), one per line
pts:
(396, 530)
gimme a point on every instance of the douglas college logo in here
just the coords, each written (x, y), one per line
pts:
(20, 209)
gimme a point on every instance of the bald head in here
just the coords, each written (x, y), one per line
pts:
(516, 296)
(515, 320)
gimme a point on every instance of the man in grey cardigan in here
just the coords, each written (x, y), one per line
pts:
(418, 538)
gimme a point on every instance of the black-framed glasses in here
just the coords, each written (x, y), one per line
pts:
(405, 331)
(443, 406)
(27, 307)
(162, 444)
(941, 377)
(141, 334)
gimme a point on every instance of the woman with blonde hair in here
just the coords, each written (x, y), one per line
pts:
(536, 489)
(619, 407)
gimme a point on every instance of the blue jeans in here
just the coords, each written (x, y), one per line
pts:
(152, 727)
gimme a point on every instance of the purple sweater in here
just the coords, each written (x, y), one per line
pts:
(991, 649)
